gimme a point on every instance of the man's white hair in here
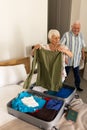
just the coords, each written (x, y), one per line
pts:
(76, 23)
(53, 32)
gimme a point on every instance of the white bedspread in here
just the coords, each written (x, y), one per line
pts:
(81, 122)
(6, 94)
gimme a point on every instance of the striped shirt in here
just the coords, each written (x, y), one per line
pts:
(75, 44)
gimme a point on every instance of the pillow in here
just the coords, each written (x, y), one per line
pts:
(12, 74)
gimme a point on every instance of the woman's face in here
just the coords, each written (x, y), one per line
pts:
(55, 39)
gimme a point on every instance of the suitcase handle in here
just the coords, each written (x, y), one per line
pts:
(54, 128)
(66, 108)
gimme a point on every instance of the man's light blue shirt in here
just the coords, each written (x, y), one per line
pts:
(75, 45)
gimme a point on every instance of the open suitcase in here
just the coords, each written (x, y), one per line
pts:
(46, 118)
(50, 123)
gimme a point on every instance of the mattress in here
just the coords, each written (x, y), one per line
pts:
(7, 93)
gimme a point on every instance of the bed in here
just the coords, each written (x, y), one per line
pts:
(12, 75)
(18, 69)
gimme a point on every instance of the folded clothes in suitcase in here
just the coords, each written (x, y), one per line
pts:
(38, 109)
(66, 92)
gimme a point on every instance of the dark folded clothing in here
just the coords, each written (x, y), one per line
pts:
(45, 114)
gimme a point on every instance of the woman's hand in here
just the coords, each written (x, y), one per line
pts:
(37, 46)
(68, 53)
(65, 51)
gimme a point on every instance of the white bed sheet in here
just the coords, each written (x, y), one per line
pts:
(7, 93)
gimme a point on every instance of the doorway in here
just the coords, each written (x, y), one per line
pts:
(59, 15)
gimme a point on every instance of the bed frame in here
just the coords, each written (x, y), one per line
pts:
(24, 60)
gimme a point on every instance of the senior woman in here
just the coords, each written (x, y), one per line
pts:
(54, 45)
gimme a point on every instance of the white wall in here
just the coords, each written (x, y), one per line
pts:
(83, 18)
(75, 10)
(79, 12)
(22, 23)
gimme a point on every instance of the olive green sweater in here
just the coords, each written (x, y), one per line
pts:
(49, 66)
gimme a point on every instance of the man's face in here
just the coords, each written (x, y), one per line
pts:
(76, 29)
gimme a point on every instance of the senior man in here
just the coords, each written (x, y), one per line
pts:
(73, 39)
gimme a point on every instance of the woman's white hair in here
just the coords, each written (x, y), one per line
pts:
(53, 32)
